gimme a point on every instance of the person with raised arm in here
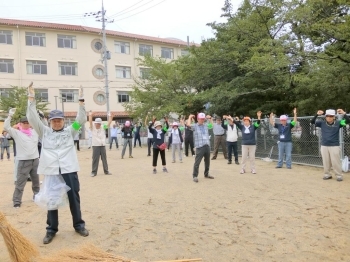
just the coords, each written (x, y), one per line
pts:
(330, 145)
(201, 143)
(248, 140)
(58, 157)
(231, 138)
(284, 138)
(99, 144)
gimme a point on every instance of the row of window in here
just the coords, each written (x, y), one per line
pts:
(67, 95)
(69, 41)
(65, 68)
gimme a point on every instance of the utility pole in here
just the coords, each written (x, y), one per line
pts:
(100, 17)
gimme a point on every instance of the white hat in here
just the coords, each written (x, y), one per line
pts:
(175, 124)
(98, 121)
(157, 123)
(201, 116)
(330, 112)
(150, 122)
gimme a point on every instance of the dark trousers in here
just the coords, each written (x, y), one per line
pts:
(200, 153)
(25, 168)
(113, 138)
(219, 141)
(232, 146)
(149, 145)
(189, 142)
(137, 138)
(97, 152)
(7, 152)
(77, 143)
(72, 181)
(156, 151)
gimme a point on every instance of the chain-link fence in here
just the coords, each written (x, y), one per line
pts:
(306, 141)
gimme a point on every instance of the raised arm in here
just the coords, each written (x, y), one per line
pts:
(32, 113)
(346, 120)
(223, 125)
(295, 116)
(189, 120)
(110, 119)
(319, 113)
(7, 126)
(90, 119)
(272, 122)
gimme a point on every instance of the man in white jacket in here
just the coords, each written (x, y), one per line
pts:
(231, 138)
(58, 157)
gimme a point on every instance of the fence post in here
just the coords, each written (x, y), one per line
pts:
(341, 139)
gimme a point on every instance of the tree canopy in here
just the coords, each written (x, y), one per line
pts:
(270, 55)
(17, 98)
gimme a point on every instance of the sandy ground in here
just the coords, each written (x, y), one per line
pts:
(275, 215)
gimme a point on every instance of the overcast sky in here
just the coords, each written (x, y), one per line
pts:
(160, 18)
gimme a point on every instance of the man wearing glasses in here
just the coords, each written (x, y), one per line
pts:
(330, 149)
(27, 155)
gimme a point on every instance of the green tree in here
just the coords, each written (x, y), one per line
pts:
(18, 99)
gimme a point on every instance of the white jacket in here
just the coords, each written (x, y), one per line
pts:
(231, 133)
(57, 150)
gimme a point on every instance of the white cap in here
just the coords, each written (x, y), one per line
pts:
(201, 116)
(98, 121)
(330, 112)
(175, 124)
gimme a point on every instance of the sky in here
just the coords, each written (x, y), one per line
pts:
(159, 18)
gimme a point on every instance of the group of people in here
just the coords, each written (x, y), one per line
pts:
(58, 157)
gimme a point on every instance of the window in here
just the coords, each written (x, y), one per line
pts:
(145, 49)
(5, 37)
(144, 73)
(99, 72)
(69, 95)
(67, 68)
(42, 95)
(5, 92)
(123, 97)
(66, 41)
(122, 47)
(6, 66)
(35, 39)
(37, 67)
(184, 52)
(96, 45)
(167, 53)
(123, 72)
(100, 98)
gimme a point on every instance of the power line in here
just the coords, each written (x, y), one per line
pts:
(68, 3)
(126, 8)
(140, 11)
(122, 12)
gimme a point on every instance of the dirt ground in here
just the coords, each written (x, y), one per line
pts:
(275, 215)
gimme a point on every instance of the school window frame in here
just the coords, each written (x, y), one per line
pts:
(121, 47)
(123, 97)
(7, 66)
(42, 95)
(35, 39)
(69, 95)
(167, 52)
(5, 92)
(123, 72)
(68, 68)
(36, 67)
(145, 49)
(6, 37)
(144, 72)
(66, 41)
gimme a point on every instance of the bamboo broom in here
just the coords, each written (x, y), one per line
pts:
(18, 246)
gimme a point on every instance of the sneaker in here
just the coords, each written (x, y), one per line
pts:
(289, 167)
(48, 237)
(278, 167)
(165, 170)
(109, 173)
(29, 179)
(131, 157)
(236, 162)
(185, 156)
(154, 171)
(92, 174)
(180, 161)
(339, 178)
(173, 161)
(326, 177)
(209, 176)
(122, 157)
(148, 155)
(229, 162)
(242, 171)
(213, 158)
(83, 232)
(195, 179)
(253, 171)
(193, 155)
(17, 205)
